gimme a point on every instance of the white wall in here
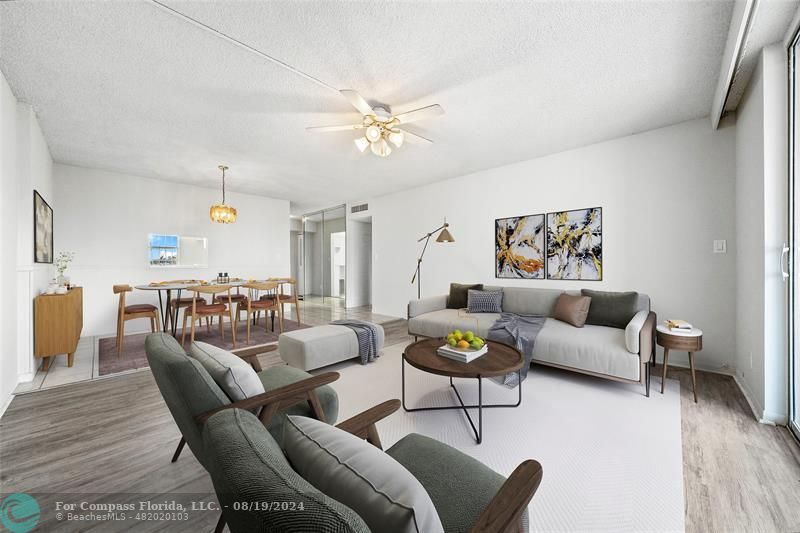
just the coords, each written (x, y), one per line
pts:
(8, 237)
(35, 172)
(761, 226)
(359, 264)
(105, 217)
(25, 165)
(677, 180)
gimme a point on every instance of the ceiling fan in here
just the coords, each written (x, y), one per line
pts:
(382, 129)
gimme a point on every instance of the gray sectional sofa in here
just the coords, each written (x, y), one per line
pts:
(611, 353)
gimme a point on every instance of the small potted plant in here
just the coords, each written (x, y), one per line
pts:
(62, 262)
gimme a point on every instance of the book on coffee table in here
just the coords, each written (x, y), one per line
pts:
(464, 356)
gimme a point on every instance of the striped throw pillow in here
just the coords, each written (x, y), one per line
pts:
(484, 301)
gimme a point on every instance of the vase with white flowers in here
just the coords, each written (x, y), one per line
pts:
(62, 262)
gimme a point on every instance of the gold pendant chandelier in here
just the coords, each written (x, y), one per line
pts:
(223, 213)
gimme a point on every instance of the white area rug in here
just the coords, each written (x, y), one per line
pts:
(611, 456)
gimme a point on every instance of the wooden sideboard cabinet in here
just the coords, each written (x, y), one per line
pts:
(58, 320)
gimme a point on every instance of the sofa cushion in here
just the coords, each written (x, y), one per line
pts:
(598, 349)
(458, 295)
(440, 323)
(234, 376)
(572, 309)
(527, 301)
(361, 476)
(484, 301)
(460, 486)
(612, 309)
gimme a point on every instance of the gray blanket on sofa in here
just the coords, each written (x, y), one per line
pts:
(367, 335)
(519, 331)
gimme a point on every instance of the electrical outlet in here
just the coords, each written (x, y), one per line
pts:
(720, 246)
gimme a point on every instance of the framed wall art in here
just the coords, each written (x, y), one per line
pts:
(42, 230)
(575, 244)
(520, 247)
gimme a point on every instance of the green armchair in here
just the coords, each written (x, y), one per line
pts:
(189, 392)
(260, 490)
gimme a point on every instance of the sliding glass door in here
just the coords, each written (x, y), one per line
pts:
(793, 274)
(324, 266)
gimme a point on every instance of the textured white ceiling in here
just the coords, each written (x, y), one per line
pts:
(125, 86)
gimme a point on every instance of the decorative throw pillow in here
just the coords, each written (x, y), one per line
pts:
(231, 373)
(613, 309)
(572, 309)
(359, 475)
(458, 295)
(484, 301)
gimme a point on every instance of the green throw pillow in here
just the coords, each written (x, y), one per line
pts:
(613, 309)
(458, 294)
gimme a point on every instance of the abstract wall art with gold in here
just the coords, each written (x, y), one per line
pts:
(575, 244)
(519, 244)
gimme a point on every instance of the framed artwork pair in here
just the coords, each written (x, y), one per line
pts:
(561, 245)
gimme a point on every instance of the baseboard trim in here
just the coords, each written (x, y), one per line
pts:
(5, 405)
(769, 419)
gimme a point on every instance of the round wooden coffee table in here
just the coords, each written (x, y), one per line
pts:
(500, 360)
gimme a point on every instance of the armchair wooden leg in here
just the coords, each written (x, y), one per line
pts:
(220, 524)
(178, 451)
(373, 437)
(316, 407)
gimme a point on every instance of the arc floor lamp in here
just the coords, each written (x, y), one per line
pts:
(444, 236)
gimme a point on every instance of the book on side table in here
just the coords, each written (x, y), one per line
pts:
(464, 356)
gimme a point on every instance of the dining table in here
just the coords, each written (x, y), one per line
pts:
(165, 289)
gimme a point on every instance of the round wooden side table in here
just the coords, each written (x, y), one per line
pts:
(691, 342)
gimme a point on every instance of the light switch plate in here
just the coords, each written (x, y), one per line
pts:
(720, 246)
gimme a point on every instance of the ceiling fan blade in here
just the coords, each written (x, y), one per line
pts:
(357, 101)
(344, 127)
(420, 114)
(414, 138)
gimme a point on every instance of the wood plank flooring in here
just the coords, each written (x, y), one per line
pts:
(115, 435)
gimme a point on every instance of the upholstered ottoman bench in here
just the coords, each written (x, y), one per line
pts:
(320, 346)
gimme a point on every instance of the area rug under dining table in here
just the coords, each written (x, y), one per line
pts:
(134, 357)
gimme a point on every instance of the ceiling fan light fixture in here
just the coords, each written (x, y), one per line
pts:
(373, 133)
(396, 138)
(381, 148)
(361, 143)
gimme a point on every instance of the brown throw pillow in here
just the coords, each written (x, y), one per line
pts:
(572, 309)
(458, 295)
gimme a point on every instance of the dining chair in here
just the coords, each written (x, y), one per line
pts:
(200, 309)
(132, 312)
(284, 297)
(253, 305)
(236, 298)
